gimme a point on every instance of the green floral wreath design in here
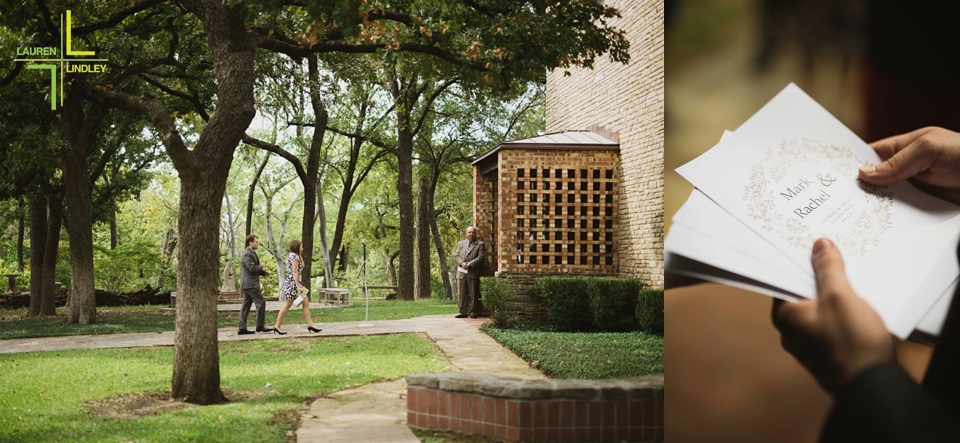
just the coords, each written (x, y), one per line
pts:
(869, 225)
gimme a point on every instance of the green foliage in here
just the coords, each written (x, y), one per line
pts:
(650, 310)
(497, 294)
(590, 303)
(568, 305)
(612, 300)
(266, 380)
(578, 355)
(130, 266)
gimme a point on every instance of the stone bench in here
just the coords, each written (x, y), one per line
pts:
(538, 410)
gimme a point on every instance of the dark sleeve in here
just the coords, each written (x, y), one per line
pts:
(883, 404)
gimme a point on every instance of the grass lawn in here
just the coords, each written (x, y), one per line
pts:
(89, 395)
(583, 355)
(115, 320)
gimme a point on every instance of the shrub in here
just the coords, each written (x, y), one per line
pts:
(568, 306)
(612, 301)
(496, 294)
(650, 310)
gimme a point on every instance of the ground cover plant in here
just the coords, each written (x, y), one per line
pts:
(582, 355)
(115, 320)
(119, 394)
(435, 436)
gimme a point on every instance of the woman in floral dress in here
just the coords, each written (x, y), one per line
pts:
(292, 287)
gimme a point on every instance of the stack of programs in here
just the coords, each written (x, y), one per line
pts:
(788, 176)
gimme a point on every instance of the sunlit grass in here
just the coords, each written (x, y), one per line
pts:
(46, 396)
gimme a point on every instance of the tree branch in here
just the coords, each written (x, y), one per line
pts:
(372, 141)
(430, 100)
(257, 143)
(158, 115)
(192, 99)
(117, 17)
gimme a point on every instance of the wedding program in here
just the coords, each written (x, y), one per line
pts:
(788, 176)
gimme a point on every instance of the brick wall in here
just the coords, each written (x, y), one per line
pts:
(627, 100)
(484, 215)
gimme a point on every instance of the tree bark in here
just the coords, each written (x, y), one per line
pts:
(203, 178)
(48, 289)
(421, 283)
(313, 170)
(203, 175)
(405, 204)
(78, 130)
(37, 206)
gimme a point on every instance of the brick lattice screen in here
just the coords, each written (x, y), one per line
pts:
(558, 212)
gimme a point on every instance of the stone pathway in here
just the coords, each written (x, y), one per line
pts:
(374, 412)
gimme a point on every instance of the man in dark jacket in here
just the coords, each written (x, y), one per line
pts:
(250, 272)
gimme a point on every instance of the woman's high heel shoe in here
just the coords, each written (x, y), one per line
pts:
(279, 331)
(313, 329)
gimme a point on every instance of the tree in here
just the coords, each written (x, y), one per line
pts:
(521, 44)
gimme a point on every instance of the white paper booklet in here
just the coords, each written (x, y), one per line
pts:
(789, 176)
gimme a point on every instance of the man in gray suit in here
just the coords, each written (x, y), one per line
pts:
(250, 272)
(470, 257)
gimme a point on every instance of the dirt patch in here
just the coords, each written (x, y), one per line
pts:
(127, 406)
(288, 418)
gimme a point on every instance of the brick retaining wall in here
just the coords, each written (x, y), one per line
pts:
(538, 410)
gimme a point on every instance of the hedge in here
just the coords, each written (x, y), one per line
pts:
(612, 300)
(650, 310)
(496, 294)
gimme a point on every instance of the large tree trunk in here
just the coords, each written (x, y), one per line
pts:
(313, 170)
(37, 206)
(405, 197)
(196, 362)
(421, 283)
(78, 130)
(203, 177)
(48, 288)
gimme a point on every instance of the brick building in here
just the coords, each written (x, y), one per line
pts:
(625, 103)
(549, 205)
(604, 148)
